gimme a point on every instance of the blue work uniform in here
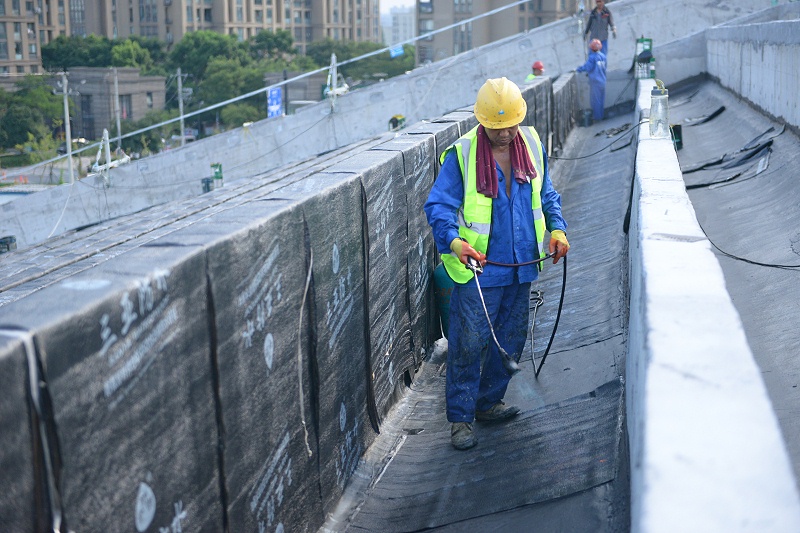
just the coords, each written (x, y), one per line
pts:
(595, 66)
(505, 289)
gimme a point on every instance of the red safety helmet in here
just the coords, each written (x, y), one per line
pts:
(538, 65)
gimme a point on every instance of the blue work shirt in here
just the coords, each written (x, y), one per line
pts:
(596, 67)
(512, 238)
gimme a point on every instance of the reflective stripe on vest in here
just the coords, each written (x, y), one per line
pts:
(475, 213)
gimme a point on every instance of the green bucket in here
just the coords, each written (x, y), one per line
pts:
(443, 288)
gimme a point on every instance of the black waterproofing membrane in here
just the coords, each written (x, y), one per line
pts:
(540, 455)
(418, 169)
(384, 230)
(21, 423)
(749, 211)
(331, 205)
(258, 279)
(131, 392)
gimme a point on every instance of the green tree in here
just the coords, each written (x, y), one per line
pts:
(29, 112)
(19, 122)
(235, 115)
(382, 65)
(65, 52)
(194, 51)
(272, 44)
(223, 80)
(131, 54)
(35, 92)
(150, 141)
(156, 48)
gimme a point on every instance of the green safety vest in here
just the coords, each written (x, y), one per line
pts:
(475, 214)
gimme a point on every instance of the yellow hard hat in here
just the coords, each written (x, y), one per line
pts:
(500, 104)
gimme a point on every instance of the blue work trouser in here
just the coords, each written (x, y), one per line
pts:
(597, 96)
(470, 342)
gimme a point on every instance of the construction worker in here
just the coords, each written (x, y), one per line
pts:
(537, 69)
(492, 202)
(595, 67)
(598, 24)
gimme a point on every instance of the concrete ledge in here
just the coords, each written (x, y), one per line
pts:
(707, 454)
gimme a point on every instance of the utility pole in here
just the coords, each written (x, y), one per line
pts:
(180, 105)
(116, 109)
(66, 126)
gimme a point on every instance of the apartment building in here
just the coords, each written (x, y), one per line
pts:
(25, 26)
(169, 20)
(433, 15)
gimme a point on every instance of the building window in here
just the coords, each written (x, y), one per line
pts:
(426, 26)
(188, 13)
(269, 16)
(207, 15)
(87, 117)
(17, 31)
(426, 7)
(125, 106)
(149, 99)
(34, 69)
(239, 14)
(425, 53)
(298, 34)
(259, 16)
(2, 8)
(540, 5)
(15, 7)
(20, 70)
(3, 42)
(17, 51)
(32, 50)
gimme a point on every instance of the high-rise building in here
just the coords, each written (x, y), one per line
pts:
(402, 25)
(25, 26)
(436, 15)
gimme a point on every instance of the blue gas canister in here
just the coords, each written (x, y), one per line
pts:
(443, 288)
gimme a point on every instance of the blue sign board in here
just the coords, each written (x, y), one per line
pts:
(396, 51)
(275, 102)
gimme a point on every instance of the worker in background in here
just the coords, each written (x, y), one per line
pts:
(492, 201)
(600, 20)
(595, 67)
(537, 69)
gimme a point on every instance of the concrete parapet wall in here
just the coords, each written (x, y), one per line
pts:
(706, 450)
(759, 62)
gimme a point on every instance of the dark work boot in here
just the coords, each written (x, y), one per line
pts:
(462, 436)
(498, 411)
